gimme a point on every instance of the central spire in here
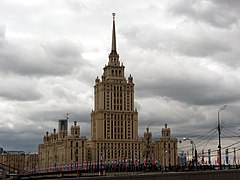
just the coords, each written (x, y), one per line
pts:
(114, 49)
(113, 56)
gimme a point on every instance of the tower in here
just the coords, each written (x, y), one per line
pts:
(114, 121)
(75, 130)
(63, 128)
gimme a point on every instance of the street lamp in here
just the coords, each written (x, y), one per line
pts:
(193, 146)
(148, 146)
(219, 135)
(163, 159)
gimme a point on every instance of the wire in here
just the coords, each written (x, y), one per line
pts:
(210, 139)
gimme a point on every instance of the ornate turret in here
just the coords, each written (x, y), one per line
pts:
(54, 135)
(46, 138)
(166, 132)
(130, 79)
(75, 130)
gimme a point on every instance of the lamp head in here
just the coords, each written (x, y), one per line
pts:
(223, 107)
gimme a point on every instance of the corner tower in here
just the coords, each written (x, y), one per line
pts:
(114, 121)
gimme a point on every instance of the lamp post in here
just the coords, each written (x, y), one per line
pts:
(148, 147)
(219, 135)
(148, 144)
(163, 159)
(193, 147)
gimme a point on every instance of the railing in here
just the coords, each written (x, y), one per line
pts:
(119, 170)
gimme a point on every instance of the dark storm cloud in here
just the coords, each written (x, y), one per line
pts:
(54, 115)
(162, 110)
(190, 90)
(222, 14)
(38, 124)
(197, 43)
(190, 38)
(22, 140)
(58, 57)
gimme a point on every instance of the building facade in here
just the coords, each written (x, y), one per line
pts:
(60, 149)
(165, 149)
(19, 162)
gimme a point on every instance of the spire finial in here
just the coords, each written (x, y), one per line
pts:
(114, 14)
(114, 49)
(113, 56)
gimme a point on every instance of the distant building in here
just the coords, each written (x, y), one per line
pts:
(166, 148)
(19, 162)
(63, 126)
(13, 152)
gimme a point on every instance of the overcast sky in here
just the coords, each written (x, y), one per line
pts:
(183, 55)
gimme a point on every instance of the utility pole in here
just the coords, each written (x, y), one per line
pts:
(196, 157)
(219, 135)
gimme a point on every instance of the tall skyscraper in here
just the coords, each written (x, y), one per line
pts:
(114, 120)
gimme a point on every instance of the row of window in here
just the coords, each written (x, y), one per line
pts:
(77, 143)
(117, 73)
(118, 116)
(116, 102)
(118, 145)
(118, 129)
(118, 154)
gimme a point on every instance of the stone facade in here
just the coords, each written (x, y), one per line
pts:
(19, 162)
(166, 150)
(59, 149)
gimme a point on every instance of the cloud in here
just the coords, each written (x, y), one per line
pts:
(192, 81)
(58, 57)
(186, 37)
(76, 5)
(220, 14)
(40, 116)
(22, 89)
(199, 42)
(197, 89)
